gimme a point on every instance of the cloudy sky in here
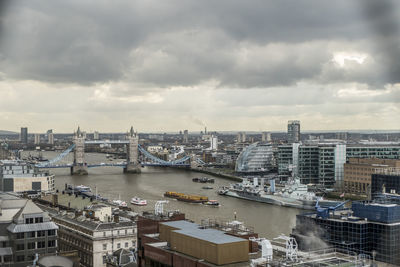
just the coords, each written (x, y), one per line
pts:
(182, 64)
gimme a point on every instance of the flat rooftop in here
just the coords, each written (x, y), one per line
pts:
(207, 234)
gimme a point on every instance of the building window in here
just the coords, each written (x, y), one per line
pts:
(104, 259)
(7, 258)
(104, 233)
(39, 220)
(30, 234)
(20, 247)
(126, 244)
(104, 246)
(20, 235)
(41, 233)
(51, 232)
(29, 220)
(31, 245)
(20, 258)
(51, 243)
(119, 245)
(41, 244)
(118, 232)
(133, 243)
(126, 232)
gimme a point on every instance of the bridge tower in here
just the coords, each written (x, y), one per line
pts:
(132, 161)
(79, 167)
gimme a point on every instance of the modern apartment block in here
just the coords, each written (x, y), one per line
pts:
(293, 132)
(358, 172)
(25, 230)
(19, 176)
(323, 163)
(23, 137)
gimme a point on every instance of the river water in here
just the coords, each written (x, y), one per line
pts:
(267, 220)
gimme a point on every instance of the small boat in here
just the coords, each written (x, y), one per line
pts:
(207, 187)
(119, 203)
(212, 203)
(138, 201)
(203, 180)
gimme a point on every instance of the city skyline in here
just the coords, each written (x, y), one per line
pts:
(184, 65)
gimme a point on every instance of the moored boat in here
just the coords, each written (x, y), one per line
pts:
(138, 201)
(119, 203)
(294, 194)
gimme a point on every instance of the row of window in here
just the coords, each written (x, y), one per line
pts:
(33, 220)
(119, 245)
(35, 245)
(34, 234)
(118, 232)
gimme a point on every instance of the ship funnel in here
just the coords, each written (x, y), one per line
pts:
(272, 185)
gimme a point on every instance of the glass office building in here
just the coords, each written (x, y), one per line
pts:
(256, 158)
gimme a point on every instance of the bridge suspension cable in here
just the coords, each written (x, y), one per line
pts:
(58, 158)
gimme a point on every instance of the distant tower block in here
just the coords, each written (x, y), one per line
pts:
(79, 167)
(133, 165)
(185, 136)
(266, 137)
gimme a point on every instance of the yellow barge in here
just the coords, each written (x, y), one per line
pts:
(186, 198)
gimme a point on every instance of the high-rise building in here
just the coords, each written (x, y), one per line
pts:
(37, 139)
(214, 142)
(323, 163)
(241, 137)
(293, 131)
(185, 136)
(96, 135)
(49, 131)
(266, 137)
(50, 138)
(24, 135)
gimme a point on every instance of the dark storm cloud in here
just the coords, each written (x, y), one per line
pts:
(384, 21)
(183, 43)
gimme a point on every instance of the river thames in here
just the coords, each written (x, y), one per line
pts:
(267, 220)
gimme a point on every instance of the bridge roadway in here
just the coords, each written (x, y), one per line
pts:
(154, 161)
(69, 165)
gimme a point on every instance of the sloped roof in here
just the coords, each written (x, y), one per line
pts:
(29, 208)
(22, 228)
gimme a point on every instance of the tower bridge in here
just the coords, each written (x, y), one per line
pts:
(132, 164)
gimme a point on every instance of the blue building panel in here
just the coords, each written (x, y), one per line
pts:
(384, 213)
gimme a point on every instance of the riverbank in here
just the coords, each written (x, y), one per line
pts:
(218, 174)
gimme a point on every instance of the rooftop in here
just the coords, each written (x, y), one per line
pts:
(87, 223)
(210, 235)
